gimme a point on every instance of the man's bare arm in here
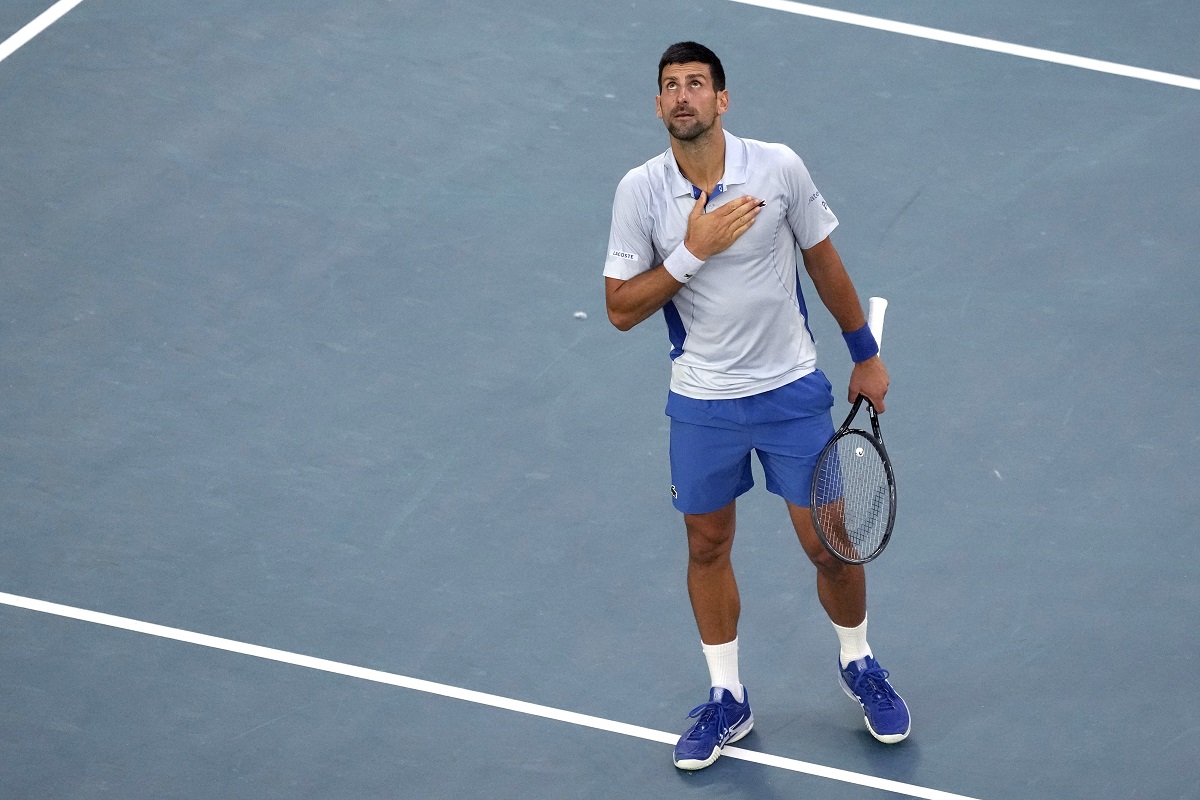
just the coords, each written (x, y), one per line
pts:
(632, 301)
(829, 276)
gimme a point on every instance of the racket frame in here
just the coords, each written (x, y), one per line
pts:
(875, 438)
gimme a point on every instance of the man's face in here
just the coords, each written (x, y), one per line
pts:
(688, 102)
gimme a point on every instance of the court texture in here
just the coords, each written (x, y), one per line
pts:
(324, 475)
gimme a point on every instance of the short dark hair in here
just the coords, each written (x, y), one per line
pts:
(689, 52)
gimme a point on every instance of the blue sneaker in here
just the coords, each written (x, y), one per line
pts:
(720, 721)
(884, 710)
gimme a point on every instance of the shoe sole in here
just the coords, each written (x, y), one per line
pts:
(886, 738)
(691, 764)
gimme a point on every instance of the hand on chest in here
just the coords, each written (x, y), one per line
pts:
(755, 243)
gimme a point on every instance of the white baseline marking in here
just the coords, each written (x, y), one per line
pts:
(976, 42)
(42, 21)
(456, 693)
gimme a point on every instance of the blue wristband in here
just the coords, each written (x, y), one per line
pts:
(861, 343)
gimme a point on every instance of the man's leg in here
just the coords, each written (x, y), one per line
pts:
(842, 589)
(710, 468)
(711, 585)
(726, 717)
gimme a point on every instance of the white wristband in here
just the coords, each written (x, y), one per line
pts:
(682, 265)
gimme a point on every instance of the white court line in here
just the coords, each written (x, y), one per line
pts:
(495, 701)
(976, 42)
(39, 23)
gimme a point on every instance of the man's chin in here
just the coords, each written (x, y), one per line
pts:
(687, 130)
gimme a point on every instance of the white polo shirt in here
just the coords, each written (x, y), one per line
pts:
(739, 326)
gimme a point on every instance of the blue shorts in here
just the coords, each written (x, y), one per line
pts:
(711, 442)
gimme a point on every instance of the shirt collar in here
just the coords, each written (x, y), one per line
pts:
(735, 169)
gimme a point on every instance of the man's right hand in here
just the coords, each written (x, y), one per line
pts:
(709, 234)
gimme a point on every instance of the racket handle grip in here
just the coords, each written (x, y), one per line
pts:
(876, 308)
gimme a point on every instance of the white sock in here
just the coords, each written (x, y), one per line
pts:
(723, 666)
(853, 642)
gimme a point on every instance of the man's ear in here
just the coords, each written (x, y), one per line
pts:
(658, 106)
(722, 101)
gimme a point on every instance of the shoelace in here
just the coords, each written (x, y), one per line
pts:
(872, 686)
(708, 714)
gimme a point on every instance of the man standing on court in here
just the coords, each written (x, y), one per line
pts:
(708, 232)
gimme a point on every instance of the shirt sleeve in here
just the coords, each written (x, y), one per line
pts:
(630, 245)
(808, 214)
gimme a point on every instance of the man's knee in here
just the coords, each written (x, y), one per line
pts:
(825, 562)
(710, 536)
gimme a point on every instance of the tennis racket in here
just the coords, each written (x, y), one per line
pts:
(853, 499)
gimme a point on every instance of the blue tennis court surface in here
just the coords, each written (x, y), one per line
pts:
(291, 357)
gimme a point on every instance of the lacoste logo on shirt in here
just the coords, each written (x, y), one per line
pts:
(629, 256)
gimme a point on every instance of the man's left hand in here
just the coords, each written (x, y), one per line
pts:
(870, 379)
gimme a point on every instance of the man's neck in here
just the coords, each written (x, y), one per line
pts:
(702, 160)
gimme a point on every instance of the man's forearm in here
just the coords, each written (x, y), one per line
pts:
(637, 299)
(824, 265)
(834, 286)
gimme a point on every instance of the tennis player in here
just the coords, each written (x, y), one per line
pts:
(707, 232)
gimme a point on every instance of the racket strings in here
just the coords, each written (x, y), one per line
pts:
(853, 497)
